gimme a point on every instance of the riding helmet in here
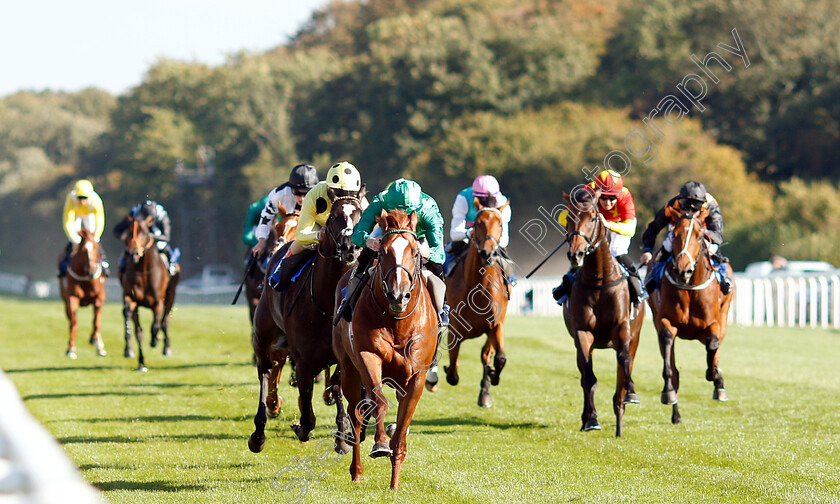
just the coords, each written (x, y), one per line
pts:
(609, 182)
(303, 176)
(345, 176)
(693, 191)
(403, 194)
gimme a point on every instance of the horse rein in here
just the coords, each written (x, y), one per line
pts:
(478, 244)
(693, 260)
(97, 272)
(590, 247)
(329, 233)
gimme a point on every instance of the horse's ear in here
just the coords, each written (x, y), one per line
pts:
(281, 210)
(381, 219)
(567, 197)
(412, 221)
(362, 192)
(476, 203)
(670, 212)
(704, 212)
(331, 193)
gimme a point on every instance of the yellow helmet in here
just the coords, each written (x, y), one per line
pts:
(83, 189)
(345, 176)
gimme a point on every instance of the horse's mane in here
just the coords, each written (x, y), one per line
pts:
(396, 219)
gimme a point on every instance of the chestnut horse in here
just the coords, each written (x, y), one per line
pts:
(391, 340)
(689, 304)
(598, 313)
(84, 284)
(146, 282)
(303, 313)
(281, 233)
(478, 294)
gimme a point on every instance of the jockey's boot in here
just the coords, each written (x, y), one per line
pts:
(286, 268)
(651, 280)
(354, 286)
(62, 265)
(637, 294)
(725, 281)
(562, 291)
(437, 289)
(121, 262)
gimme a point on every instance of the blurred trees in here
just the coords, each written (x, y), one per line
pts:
(531, 91)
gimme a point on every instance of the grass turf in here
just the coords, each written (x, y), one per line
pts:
(178, 433)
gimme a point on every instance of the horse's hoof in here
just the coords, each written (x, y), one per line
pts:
(329, 400)
(342, 448)
(142, 369)
(390, 429)
(432, 387)
(498, 365)
(451, 378)
(154, 342)
(484, 400)
(273, 410)
(669, 397)
(591, 425)
(256, 443)
(101, 352)
(302, 436)
(380, 450)
(128, 353)
(631, 398)
(92, 339)
(319, 377)
(71, 354)
(720, 395)
(167, 352)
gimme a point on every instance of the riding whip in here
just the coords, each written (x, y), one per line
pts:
(547, 258)
(248, 269)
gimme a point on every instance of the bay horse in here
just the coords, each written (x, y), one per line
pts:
(598, 312)
(282, 232)
(690, 305)
(83, 285)
(303, 313)
(478, 293)
(146, 282)
(391, 340)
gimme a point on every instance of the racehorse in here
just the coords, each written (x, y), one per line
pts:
(478, 293)
(281, 233)
(146, 282)
(84, 284)
(690, 305)
(598, 312)
(391, 340)
(303, 313)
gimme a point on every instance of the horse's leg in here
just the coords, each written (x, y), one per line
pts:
(256, 441)
(584, 341)
(667, 333)
(497, 336)
(274, 401)
(405, 412)
(306, 384)
(712, 342)
(96, 334)
(158, 317)
(329, 384)
(351, 386)
(624, 389)
(138, 335)
(484, 399)
(265, 333)
(451, 370)
(72, 305)
(675, 379)
(375, 402)
(128, 310)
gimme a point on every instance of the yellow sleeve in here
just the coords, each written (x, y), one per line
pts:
(99, 209)
(68, 216)
(626, 228)
(307, 232)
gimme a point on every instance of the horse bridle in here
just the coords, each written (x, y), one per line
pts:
(479, 243)
(590, 247)
(329, 232)
(415, 275)
(703, 248)
(97, 272)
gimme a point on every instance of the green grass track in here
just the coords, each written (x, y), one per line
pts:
(179, 432)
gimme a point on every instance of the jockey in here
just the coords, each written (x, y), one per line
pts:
(618, 213)
(405, 195)
(343, 180)
(486, 189)
(160, 227)
(82, 209)
(252, 221)
(692, 199)
(289, 195)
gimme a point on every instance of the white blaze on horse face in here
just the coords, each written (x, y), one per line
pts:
(89, 246)
(348, 210)
(398, 246)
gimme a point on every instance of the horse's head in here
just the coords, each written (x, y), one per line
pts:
(286, 225)
(88, 252)
(583, 227)
(487, 230)
(399, 258)
(689, 241)
(137, 238)
(345, 214)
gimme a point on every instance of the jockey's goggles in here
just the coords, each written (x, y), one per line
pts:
(606, 197)
(691, 205)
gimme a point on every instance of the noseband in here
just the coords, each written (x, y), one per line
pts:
(414, 275)
(691, 258)
(480, 243)
(590, 247)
